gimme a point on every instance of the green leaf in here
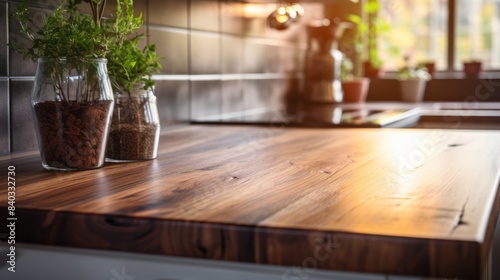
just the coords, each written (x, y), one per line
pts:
(69, 32)
(355, 19)
(372, 6)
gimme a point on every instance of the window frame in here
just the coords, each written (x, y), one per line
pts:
(452, 15)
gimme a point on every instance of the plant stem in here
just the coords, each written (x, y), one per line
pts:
(101, 12)
(94, 12)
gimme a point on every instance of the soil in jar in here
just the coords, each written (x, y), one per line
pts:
(132, 135)
(71, 134)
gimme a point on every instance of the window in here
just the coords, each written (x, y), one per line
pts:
(477, 34)
(419, 29)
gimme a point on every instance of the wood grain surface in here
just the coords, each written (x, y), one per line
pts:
(411, 202)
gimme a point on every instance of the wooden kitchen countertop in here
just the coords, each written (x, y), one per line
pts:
(412, 202)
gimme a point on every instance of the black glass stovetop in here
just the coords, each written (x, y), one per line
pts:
(321, 116)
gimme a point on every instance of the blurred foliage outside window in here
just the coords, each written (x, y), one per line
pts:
(478, 33)
(419, 30)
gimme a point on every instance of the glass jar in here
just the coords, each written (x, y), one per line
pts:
(72, 104)
(135, 126)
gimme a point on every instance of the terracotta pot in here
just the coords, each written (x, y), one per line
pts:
(412, 90)
(431, 67)
(472, 68)
(355, 90)
(372, 71)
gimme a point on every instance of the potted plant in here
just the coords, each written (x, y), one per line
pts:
(430, 65)
(412, 82)
(472, 65)
(72, 99)
(135, 128)
(366, 37)
(472, 68)
(355, 89)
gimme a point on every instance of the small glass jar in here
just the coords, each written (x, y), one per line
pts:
(135, 126)
(72, 104)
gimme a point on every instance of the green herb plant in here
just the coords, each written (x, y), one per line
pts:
(75, 37)
(131, 66)
(134, 127)
(368, 30)
(409, 72)
(128, 65)
(66, 33)
(66, 41)
(346, 70)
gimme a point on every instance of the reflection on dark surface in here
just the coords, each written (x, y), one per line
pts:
(323, 115)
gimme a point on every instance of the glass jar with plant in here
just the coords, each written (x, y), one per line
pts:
(72, 98)
(135, 126)
(412, 82)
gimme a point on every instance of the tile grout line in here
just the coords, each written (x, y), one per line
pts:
(189, 61)
(221, 55)
(9, 99)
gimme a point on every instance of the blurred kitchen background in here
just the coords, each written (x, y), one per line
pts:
(221, 57)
